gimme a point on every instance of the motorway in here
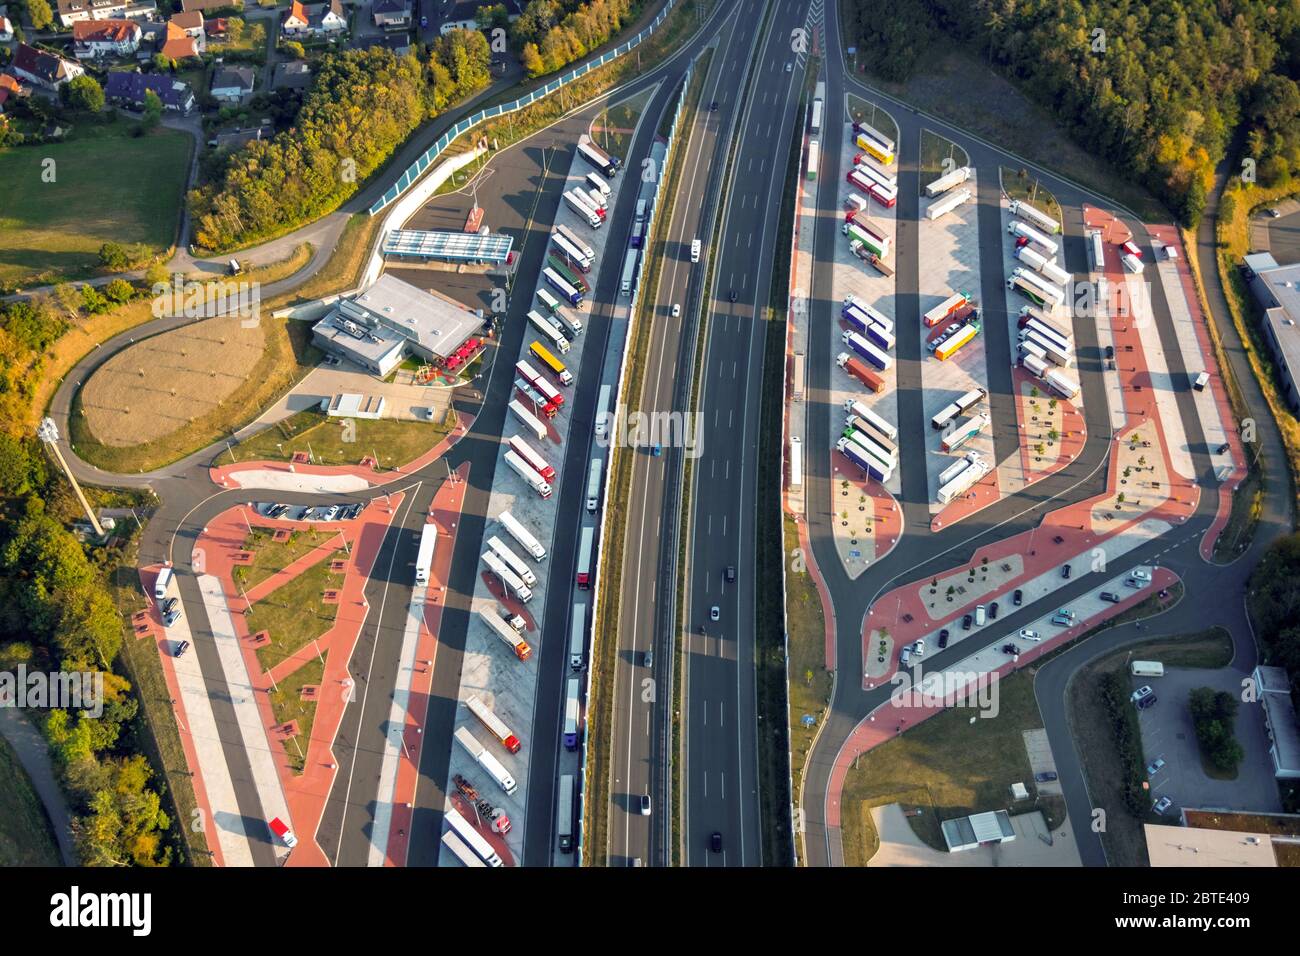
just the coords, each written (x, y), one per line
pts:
(756, 113)
(921, 553)
(188, 501)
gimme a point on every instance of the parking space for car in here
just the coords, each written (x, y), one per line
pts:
(1168, 734)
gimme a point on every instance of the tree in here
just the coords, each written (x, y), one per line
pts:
(234, 29)
(113, 256)
(257, 36)
(66, 294)
(531, 60)
(119, 291)
(153, 109)
(92, 300)
(294, 49)
(163, 64)
(84, 93)
(41, 14)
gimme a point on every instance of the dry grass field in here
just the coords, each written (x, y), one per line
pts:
(161, 384)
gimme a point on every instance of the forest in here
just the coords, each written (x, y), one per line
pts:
(1159, 90)
(362, 108)
(56, 614)
(551, 34)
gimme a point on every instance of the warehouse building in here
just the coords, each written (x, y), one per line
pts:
(392, 320)
(1277, 290)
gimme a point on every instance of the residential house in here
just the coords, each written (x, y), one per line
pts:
(96, 38)
(232, 84)
(43, 69)
(77, 11)
(128, 89)
(462, 16)
(291, 75)
(311, 20)
(207, 6)
(179, 45)
(10, 89)
(216, 28)
(192, 25)
(391, 14)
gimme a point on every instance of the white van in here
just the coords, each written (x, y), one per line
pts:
(695, 250)
(160, 585)
(1201, 381)
(981, 615)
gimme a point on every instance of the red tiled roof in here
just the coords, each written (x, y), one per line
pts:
(177, 45)
(188, 21)
(105, 31)
(297, 12)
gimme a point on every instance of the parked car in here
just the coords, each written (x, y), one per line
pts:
(172, 618)
(1047, 776)
(1143, 691)
(966, 622)
(169, 605)
(1161, 805)
(1275, 213)
(1110, 351)
(905, 656)
(943, 638)
(1065, 571)
(1155, 766)
(1146, 702)
(1029, 634)
(1110, 596)
(1018, 598)
(993, 611)
(919, 648)
(1010, 649)
(181, 648)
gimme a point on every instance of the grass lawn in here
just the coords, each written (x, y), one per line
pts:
(295, 613)
(287, 356)
(287, 704)
(1028, 188)
(810, 681)
(26, 837)
(864, 111)
(395, 442)
(270, 556)
(936, 151)
(1094, 736)
(948, 767)
(53, 230)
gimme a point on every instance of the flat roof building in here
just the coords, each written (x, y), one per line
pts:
(1191, 846)
(1280, 720)
(393, 319)
(471, 247)
(978, 829)
(1277, 290)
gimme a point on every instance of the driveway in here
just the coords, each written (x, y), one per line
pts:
(1167, 732)
(403, 401)
(1279, 236)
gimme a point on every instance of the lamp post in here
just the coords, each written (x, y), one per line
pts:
(48, 433)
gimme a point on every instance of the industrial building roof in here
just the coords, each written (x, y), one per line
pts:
(449, 246)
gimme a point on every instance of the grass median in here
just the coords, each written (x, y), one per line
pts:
(341, 441)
